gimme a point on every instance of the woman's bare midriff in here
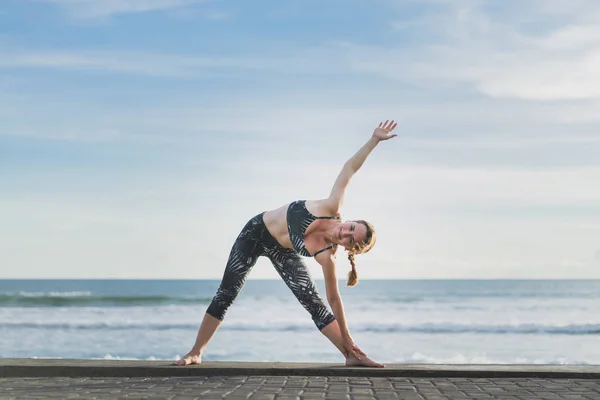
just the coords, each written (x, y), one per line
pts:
(276, 223)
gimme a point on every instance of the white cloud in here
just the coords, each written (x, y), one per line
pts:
(579, 9)
(544, 77)
(105, 8)
(492, 187)
(496, 54)
(167, 65)
(577, 37)
(138, 63)
(70, 134)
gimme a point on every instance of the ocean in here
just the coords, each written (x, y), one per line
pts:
(393, 321)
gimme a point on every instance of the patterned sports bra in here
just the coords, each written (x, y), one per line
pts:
(298, 220)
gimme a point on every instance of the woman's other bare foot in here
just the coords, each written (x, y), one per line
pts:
(188, 359)
(363, 362)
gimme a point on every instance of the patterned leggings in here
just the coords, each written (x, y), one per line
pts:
(254, 241)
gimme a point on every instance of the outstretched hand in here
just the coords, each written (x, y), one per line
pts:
(350, 349)
(384, 130)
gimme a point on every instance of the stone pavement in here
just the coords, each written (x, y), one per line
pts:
(100, 379)
(299, 387)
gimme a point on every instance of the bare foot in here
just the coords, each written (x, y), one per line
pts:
(365, 362)
(188, 360)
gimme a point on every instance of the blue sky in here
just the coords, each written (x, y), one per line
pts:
(138, 136)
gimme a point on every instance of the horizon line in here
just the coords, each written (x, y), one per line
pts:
(316, 279)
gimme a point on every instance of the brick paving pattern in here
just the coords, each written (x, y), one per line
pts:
(299, 388)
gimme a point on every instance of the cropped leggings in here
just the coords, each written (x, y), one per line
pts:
(254, 241)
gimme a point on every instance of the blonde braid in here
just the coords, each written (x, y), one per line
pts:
(353, 274)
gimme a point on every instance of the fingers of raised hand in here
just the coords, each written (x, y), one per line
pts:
(388, 125)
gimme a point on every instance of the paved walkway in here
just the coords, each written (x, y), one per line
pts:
(299, 387)
(62, 379)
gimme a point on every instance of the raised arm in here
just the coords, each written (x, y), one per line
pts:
(336, 197)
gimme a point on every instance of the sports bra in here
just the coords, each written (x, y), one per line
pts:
(298, 220)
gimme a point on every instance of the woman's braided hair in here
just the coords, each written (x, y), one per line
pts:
(360, 248)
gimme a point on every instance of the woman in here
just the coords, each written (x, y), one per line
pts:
(302, 228)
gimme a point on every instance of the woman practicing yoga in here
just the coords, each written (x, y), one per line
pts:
(310, 228)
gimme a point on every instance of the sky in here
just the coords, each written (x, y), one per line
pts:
(137, 137)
